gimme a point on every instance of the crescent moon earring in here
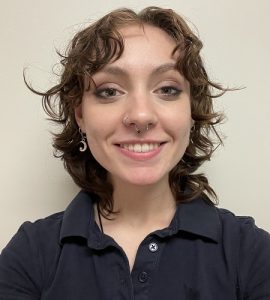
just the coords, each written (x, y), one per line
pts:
(83, 143)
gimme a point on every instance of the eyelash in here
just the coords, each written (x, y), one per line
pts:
(174, 92)
(99, 93)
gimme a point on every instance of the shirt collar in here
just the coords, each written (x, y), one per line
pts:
(197, 217)
(78, 218)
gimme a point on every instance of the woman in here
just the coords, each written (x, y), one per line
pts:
(135, 105)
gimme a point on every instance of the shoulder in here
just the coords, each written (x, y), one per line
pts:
(250, 245)
(243, 226)
(244, 229)
(48, 223)
(38, 238)
(44, 231)
(49, 232)
(25, 263)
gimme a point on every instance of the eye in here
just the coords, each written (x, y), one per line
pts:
(170, 91)
(107, 93)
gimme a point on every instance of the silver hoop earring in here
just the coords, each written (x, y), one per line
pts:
(83, 143)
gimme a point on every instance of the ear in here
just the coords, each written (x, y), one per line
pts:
(79, 117)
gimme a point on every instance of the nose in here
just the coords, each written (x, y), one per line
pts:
(140, 113)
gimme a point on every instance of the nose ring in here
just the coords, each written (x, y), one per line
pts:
(138, 130)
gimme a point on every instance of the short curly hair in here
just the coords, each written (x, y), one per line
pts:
(89, 51)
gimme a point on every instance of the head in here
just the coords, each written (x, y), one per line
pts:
(102, 44)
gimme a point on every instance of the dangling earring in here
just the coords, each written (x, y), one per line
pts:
(192, 128)
(82, 141)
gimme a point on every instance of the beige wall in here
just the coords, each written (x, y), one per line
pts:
(237, 46)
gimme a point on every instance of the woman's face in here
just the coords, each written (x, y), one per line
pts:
(141, 89)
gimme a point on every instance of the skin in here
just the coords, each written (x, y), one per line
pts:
(145, 87)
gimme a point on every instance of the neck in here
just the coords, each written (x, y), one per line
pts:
(143, 204)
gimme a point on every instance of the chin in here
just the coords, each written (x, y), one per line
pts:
(144, 179)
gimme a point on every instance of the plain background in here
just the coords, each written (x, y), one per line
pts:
(33, 184)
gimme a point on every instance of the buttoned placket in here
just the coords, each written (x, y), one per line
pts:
(145, 264)
(135, 285)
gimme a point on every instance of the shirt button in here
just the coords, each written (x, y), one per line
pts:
(153, 247)
(143, 276)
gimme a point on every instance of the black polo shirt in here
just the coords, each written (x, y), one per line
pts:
(205, 254)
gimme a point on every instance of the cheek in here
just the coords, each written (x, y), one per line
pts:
(93, 120)
(95, 135)
(93, 129)
(183, 138)
(180, 124)
(99, 127)
(95, 141)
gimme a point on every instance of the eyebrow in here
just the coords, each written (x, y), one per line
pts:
(114, 70)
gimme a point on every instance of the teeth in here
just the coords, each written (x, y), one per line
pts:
(146, 148)
(137, 148)
(140, 147)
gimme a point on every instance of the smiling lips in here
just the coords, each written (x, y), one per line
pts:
(140, 151)
(140, 148)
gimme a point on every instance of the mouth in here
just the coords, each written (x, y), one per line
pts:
(140, 151)
(140, 147)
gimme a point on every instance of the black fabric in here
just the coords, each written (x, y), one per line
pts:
(205, 254)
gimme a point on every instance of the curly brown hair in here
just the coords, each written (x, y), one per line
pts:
(93, 48)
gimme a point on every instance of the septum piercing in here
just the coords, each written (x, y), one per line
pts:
(137, 129)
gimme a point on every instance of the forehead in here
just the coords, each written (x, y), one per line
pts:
(147, 54)
(147, 33)
(146, 45)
